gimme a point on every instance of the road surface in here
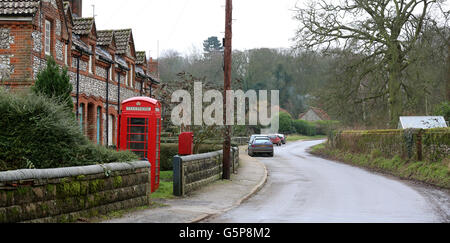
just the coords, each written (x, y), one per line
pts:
(304, 188)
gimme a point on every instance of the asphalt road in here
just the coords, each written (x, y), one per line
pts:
(305, 188)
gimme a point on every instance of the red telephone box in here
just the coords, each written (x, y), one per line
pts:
(140, 132)
(186, 143)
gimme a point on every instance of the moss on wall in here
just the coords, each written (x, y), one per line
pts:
(67, 199)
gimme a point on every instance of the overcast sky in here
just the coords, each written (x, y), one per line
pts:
(182, 25)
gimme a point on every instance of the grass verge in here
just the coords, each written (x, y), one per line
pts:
(165, 190)
(297, 137)
(436, 173)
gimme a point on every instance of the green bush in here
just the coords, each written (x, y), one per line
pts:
(54, 83)
(39, 133)
(206, 148)
(443, 109)
(169, 150)
(286, 123)
(326, 127)
(315, 128)
(305, 128)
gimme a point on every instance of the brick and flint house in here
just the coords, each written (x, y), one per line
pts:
(97, 60)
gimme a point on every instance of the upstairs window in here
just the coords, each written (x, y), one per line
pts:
(48, 41)
(90, 60)
(65, 56)
(132, 76)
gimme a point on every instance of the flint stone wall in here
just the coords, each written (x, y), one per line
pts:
(68, 194)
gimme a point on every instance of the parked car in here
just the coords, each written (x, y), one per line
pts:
(275, 140)
(253, 137)
(261, 145)
(282, 137)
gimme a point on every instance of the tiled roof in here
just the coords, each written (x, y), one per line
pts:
(105, 37)
(82, 26)
(122, 38)
(140, 57)
(319, 112)
(322, 114)
(21, 7)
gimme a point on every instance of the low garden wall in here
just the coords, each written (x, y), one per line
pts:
(416, 144)
(68, 194)
(195, 171)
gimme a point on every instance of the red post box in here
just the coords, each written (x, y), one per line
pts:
(140, 132)
(186, 143)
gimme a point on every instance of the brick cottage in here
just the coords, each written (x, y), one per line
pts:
(97, 60)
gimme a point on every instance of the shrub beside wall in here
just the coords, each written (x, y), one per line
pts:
(169, 150)
(39, 133)
(195, 171)
(67, 194)
(315, 128)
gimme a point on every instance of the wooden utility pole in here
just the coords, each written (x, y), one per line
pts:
(448, 72)
(227, 86)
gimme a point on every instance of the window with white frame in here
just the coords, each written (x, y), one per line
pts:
(90, 60)
(48, 40)
(65, 55)
(132, 76)
(111, 130)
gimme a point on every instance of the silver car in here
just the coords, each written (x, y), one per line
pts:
(257, 136)
(260, 145)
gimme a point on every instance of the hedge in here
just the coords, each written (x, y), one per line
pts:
(421, 145)
(36, 132)
(169, 150)
(305, 128)
(422, 155)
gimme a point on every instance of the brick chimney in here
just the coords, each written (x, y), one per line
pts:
(77, 7)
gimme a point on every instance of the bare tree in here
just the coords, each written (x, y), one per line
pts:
(186, 82)
(382, 31)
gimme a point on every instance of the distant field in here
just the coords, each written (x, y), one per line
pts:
(296, 137)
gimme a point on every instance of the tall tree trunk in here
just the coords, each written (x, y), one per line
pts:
(448, 72)
(395, 92)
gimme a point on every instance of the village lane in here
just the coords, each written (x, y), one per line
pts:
(305, 188)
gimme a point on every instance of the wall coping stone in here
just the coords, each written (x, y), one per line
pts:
(189, 158)
(201, 156)
(38, 174)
